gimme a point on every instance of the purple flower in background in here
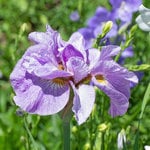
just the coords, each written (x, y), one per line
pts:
(74, 16)
(128, 52)
(95, 25)
(101, 15)
(123, 9)
(88, 36)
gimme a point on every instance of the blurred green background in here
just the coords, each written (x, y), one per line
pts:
(20, 17)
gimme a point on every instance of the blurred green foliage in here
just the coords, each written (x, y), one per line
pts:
(20, 17)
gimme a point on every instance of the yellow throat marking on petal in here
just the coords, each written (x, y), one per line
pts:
(100, 79)
(60, 67)
(60, 81)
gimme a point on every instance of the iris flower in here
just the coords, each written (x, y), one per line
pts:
(44, 76)
(52, 70)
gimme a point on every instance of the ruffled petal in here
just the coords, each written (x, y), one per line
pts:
(83, 102)
(17, 78)
(78, 68)
(109, 51)
(93, 56)
(47, 37)
(77, 41)
(46, 71)
(120, 84)
(69, 51)
(119, 101)
(42, 53)
(108, 68)
(43, 97)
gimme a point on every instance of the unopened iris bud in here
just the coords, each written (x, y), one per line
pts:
(107, 27)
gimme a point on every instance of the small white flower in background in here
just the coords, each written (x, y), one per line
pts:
(143, 20)
(121, 139)
(147, 147)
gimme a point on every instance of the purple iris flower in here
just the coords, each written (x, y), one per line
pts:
(44, 76)
(52, 70)
(123, 9)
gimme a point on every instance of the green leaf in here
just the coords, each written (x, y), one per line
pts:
(145, 100)
(142, 67)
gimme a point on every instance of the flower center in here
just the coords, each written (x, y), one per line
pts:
(100, 79)
(60, 67)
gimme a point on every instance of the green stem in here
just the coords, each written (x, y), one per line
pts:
(102, 143)
(66, 134)
(30, 135)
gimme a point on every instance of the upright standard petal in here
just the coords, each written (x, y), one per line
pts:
(70, 51)
(77, 41)
(78, 68)
(93, 56)
(83, 102)
(109, 51)
(44, 37)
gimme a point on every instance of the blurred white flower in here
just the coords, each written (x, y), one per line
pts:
(121, 139)
(147, 147)
(143, 20)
